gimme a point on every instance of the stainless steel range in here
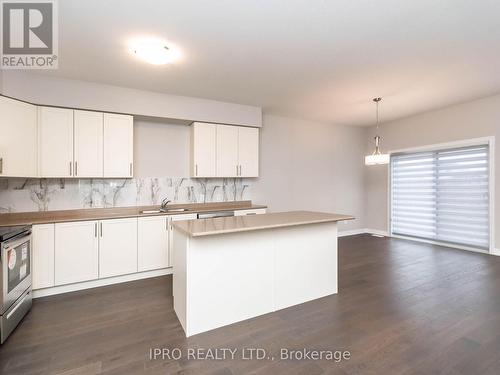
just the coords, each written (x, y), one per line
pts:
(15, 277)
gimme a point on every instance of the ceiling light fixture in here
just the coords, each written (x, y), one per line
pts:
(154, 51)
(377, 157)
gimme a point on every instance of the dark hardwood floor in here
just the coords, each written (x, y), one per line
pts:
(402, 308)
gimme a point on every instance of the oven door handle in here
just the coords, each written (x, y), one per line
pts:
(19, 304)
(17, 240)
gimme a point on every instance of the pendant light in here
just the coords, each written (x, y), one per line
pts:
(377, 157)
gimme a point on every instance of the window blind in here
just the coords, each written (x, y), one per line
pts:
(442, 195)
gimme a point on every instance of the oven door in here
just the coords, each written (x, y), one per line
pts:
(16, 269)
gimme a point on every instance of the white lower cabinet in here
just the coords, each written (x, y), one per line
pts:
(76, 255)
(43, 256)
(152, 243)
(74, 252)
(117, 247)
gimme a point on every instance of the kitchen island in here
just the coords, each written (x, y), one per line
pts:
(234, 268)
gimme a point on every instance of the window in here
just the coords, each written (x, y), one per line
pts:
(442, 195)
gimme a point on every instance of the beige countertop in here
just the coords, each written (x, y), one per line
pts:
(206, 227)
(47, 217)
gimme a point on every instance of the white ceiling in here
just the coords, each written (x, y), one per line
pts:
(315, 59)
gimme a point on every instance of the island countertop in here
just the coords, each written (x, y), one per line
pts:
(222, 225)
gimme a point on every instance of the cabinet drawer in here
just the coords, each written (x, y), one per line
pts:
(256, 211)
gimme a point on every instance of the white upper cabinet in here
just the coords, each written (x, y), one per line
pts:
(74, 143)
(117, 247)
(203, 149)
(18, 138)
(88, 144)
(227, 151)
(55, 142)
(248, 152)
(224, 151)
(118, 145)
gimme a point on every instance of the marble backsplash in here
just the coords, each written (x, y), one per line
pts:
(22, 195)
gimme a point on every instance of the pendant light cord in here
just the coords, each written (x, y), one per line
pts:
(377, 137)
(377, 101)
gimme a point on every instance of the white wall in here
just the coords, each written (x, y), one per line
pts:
(44, 89)
(479, 118)
(160, 149)
(307, 165)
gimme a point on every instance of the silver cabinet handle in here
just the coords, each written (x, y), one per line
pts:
(130, 169)
(240, 170)
(196, 169)
(95, 230)
(76, 168)
(1, 165)
(70, 169)
(100, 225)
(237, 173)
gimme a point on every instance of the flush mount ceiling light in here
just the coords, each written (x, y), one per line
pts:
(154, 51)
(377, 157)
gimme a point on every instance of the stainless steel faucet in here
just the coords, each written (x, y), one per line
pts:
(164, 202)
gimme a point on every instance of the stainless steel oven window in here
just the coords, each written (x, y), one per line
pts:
(16, 269)
(18, 265)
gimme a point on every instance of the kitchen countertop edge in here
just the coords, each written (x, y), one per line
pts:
(322, 217)
(46, 219)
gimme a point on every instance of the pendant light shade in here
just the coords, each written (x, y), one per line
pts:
(377, 157)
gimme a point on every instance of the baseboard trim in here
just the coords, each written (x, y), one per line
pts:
(98, 283)
(354, 232)
(377, 232)
(495, 252)
(351, 232)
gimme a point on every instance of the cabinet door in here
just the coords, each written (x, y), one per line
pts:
(227, 151)
(117, 247)
(152, 243)
(18, 138)
(203, 150)
(88, 145)
(43, 256)
(76, 252)
(118, 145)
(248, 152)
(55, 142)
